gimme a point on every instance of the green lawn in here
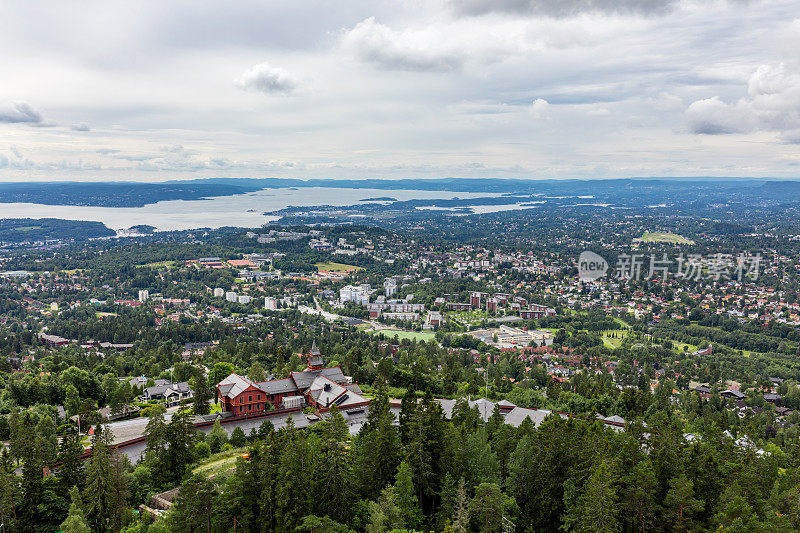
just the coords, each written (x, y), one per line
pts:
(661, 236)
(330, 266)
(158, 264)
(412, 335)
(220, 462)
(679, 346)
(617, 342)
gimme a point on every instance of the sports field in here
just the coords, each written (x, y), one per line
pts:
(330, 266)
(660, 236)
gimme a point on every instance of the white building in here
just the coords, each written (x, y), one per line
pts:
(270, 303)
(244, 299)
(231, 296)
(144, 295)
(219, 292)
(357, 295)
(390, 286)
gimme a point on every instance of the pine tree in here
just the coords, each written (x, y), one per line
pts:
(406, 497)
(8, 488)
(486, 508)
(202, 394)
(376, 448)
(257, 372)
(47, 441)
(217, 437)
(179, 437)
(118, 492)
(408, 409)
(32, 484)
(155, 432)
(680, 505)
(292, 495)
(461, 517)
(192, 511)
(75, 521)
(238, 438)
(71, 472)
(72, 400)
(599, 509)
(98, 476)
(334, 479)
(639, 506)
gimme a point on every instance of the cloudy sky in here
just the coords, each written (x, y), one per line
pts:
(141, 90)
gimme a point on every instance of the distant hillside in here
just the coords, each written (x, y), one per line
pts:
(16, 230)
(626, 192)
(105, 194)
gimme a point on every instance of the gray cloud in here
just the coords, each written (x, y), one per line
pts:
(772, 104)
(19, 112)
(81, 126)
(563, 8)
(267, 79)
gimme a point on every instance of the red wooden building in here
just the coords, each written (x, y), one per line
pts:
(316, 386)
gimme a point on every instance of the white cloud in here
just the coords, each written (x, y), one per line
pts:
(267, 79)
(414, 49)
(772, 104)
(19, 112)
(540, 108)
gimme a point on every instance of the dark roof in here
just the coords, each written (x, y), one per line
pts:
(355, 388)
(304, 379)
(334, 374)
(732, 393)
(278, 386)
(297, 382)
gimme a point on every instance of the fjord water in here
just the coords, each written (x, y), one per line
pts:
(242, 210)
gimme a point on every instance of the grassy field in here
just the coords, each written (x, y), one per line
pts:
(617, 342)
(220, 462)
(101, 314)
(411, 335)
(679, 346)
(660, 236)
(159, 264)
(336, 267)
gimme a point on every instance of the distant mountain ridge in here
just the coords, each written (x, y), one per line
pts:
(136, 194)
